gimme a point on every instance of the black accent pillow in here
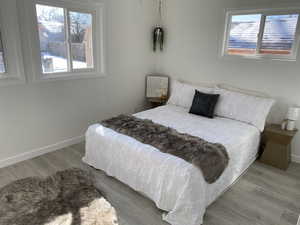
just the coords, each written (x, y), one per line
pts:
(204, 104)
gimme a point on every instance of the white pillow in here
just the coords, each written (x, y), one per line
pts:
(182, 94)
(176, 88)
(242, 107)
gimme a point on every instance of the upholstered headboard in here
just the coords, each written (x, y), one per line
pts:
(227, 87)
(243, 91)
(203, 84)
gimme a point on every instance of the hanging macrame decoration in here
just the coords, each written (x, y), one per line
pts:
(158, 32)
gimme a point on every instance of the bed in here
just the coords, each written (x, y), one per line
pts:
(175, 185)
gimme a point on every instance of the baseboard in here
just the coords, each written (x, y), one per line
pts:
(40, 151)
(296, 158)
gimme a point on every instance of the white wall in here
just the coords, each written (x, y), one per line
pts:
(194, 36)
(36, 115)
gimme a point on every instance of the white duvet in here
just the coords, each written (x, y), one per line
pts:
(175, 185)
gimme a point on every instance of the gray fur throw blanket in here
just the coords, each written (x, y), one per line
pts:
(66, 198)
(211, 158)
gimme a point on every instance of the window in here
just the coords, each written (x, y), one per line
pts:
(2, 61)
(279, 34)
(262, 34)
(66, 39)
(11, 60)
(81, 40)
(69, 39)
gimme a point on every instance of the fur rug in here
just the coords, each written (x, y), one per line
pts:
(211, 158)
(66, 198)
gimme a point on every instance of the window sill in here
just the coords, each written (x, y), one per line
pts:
(259, 58)
(6, 80)
(68, 76)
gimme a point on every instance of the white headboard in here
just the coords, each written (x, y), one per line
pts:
(227, 87)
(243, 91)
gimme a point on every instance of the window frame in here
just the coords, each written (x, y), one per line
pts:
(98, 34)
(3, 50)
(13, 58)
(264, 13)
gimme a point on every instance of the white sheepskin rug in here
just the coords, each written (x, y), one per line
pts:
(66, 198)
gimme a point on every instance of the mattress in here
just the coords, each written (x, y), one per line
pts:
(175, 185)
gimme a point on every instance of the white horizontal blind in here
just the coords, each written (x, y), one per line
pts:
(279, 34)
(244, 31)
(265, 33)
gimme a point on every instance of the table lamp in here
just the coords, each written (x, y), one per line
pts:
(292, 116)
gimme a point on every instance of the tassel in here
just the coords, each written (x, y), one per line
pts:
(158, 38)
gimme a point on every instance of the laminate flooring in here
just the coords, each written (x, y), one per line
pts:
(263, 196)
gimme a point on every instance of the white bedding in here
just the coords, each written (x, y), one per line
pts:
(175, 185)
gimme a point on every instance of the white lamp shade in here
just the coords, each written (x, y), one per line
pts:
(293, 113)
(157, 86)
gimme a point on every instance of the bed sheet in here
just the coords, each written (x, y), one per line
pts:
(175, 185)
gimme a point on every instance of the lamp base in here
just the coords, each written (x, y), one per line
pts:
(291, 125)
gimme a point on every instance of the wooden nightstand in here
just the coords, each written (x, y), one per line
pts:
(277, 146)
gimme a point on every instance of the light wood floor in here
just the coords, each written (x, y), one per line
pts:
(264, 196)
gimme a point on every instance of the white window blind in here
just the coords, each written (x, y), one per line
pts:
(279, 34)
(262, 33)
(244, 31)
